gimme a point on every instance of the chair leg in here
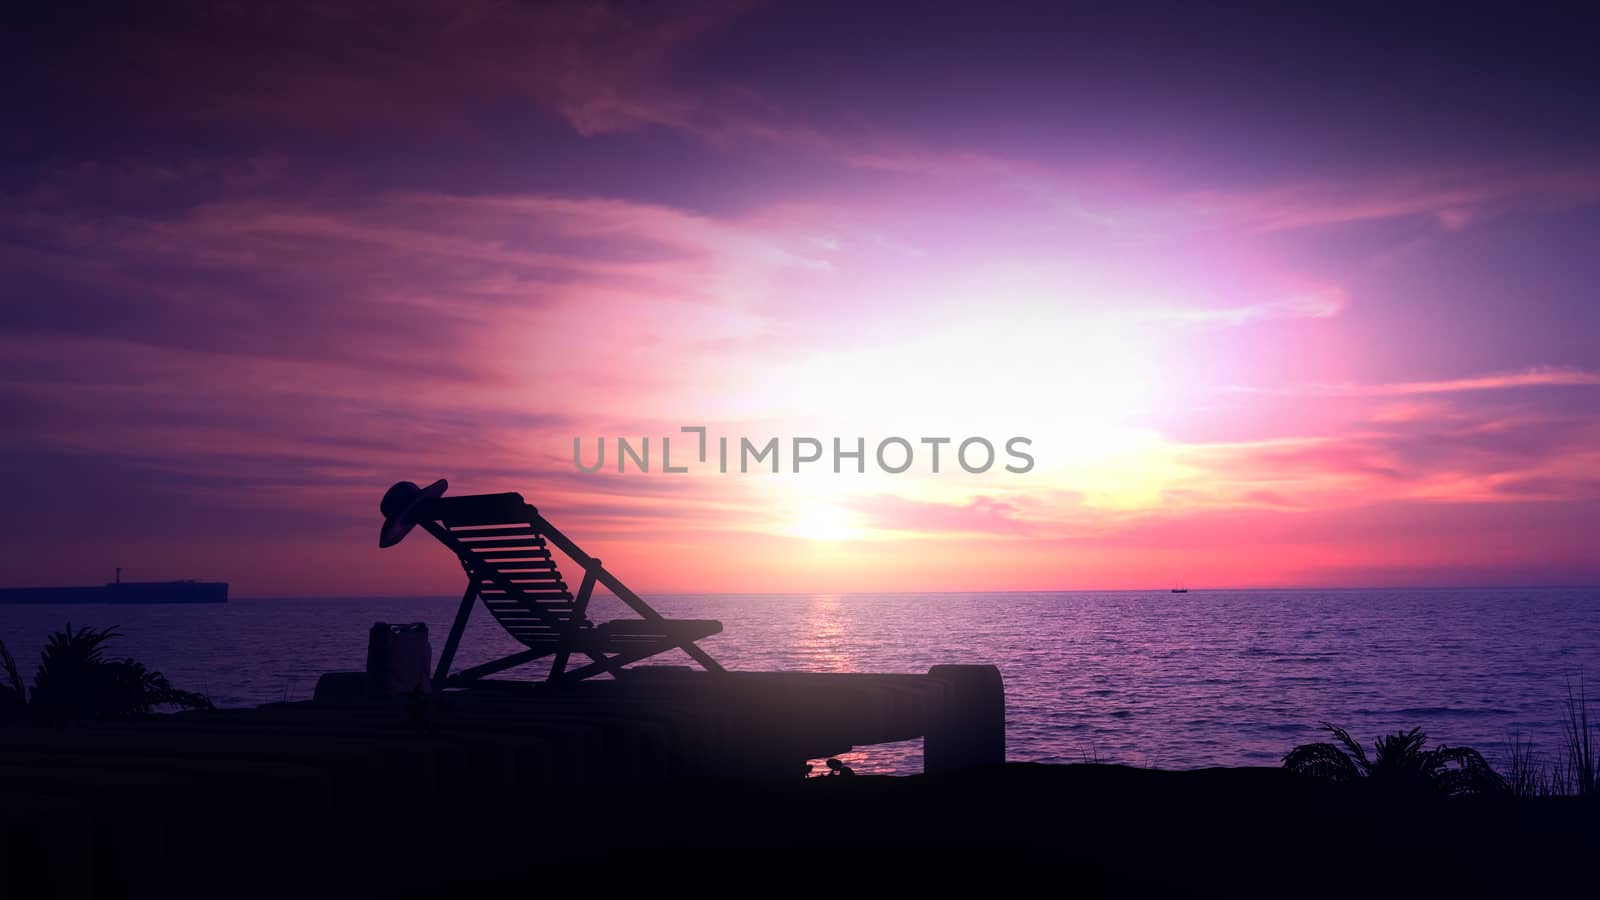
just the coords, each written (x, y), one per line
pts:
(701, 657)
(580, 606)
(448, 654)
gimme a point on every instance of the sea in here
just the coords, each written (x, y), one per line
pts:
(1151, 679)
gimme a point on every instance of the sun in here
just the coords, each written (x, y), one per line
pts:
(820, 522)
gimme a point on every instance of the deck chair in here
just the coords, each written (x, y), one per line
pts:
(503, 545)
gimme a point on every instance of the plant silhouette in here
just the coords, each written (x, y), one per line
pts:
(75, 680)
(1401, 763)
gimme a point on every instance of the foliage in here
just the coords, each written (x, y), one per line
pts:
(13, 696)
(75, 680)
(1526, 773)
(1574, 769)
(1401, 763)
(1582, 744)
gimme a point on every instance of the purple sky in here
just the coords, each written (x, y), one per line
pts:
(1281, 300)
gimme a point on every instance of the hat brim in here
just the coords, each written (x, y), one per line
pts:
(397, 526)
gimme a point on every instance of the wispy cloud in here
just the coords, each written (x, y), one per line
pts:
(1548, 376)
(976, 515)
(1454, 199)
(1317, 303)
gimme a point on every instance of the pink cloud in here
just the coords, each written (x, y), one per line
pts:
(978, 515)
(1546, 376)
(1455, 198)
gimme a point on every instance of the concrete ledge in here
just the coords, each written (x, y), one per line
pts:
(115, 803)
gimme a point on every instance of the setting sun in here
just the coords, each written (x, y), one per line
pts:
(820, 522)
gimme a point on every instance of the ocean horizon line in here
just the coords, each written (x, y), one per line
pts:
(904, 593)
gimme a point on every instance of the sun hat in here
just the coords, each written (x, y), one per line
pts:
(399, 508)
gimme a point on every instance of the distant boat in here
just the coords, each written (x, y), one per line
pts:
(120, 591)
(1180, 589)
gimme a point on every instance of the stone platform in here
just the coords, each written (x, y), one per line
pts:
(91, 805)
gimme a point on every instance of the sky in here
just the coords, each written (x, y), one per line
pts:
(1277, 301)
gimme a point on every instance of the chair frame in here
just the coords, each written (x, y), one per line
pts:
(594, 573)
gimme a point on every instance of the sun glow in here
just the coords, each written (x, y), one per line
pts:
(820, 522)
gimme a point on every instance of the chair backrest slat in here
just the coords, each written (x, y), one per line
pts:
(520, 583)
(532, 540)
(519, 529)
(527, 554)
(477, 510)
